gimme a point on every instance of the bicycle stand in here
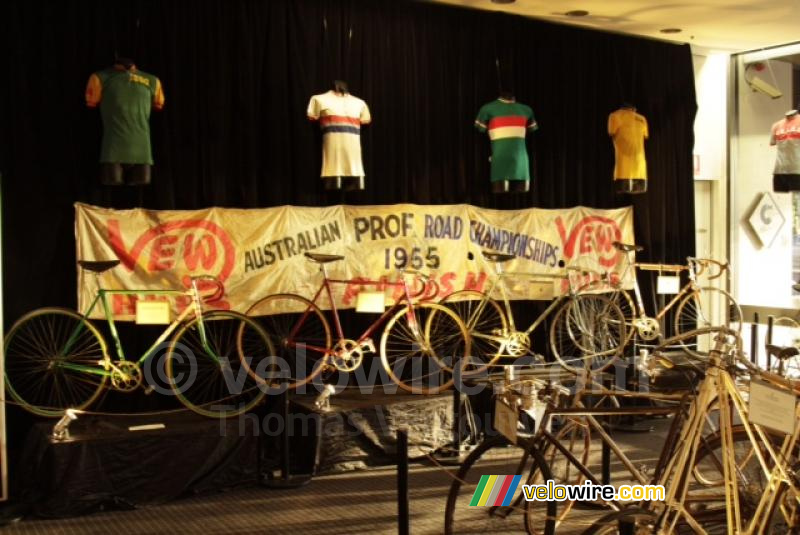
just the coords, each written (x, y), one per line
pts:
(457, 451)
(283, 478)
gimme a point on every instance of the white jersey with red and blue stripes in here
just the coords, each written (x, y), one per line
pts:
(340, 116)
(786, 137)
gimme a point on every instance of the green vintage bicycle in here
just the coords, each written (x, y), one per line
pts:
(57, 359)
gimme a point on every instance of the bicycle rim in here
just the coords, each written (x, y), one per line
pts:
(39, 349)
(209, 378)
(419, 350)
(701, 309)
(486, 323)
(495, 457)
(588, 332)
(299, 335)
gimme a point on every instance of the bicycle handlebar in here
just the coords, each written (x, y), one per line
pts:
(428, 284)
(219, 289)
(700, 265)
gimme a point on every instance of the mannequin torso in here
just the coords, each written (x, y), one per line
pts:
(340, 115)
(785, 135)
(507, 122)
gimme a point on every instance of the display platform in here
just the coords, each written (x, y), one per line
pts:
(113, 462)
(359, 430)
(122, 462)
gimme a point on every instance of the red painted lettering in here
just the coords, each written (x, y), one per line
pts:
(593, 234)
(471, 284)
(162, 254)
(446, 283)
(123, 305)
(205, 252)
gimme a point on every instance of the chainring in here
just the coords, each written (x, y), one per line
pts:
(126, 376)
(517, 344)
(647, 328)
(347, 355)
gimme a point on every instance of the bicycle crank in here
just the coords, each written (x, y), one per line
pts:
(347, 355)
(126, 375)
(647, 328)
(517, 344)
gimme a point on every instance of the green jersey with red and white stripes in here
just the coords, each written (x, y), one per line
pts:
(507, 123)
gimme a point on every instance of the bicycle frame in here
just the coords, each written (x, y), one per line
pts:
(326, 288)
(101, 297)
(719, 384)
(497, 281)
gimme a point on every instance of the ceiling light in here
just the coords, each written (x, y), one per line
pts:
(503, 1)
(670, 30)
(577, 13)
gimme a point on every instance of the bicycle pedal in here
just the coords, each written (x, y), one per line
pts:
(148, 390)
(368, 346)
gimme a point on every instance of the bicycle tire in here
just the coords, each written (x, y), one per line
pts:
(587, 331)
(35, 346)
(461, 518)
(620, 297)
(575, 438)
(216, 385)
(293, 363)
(424, 357)
(485, 322)
(690, 316)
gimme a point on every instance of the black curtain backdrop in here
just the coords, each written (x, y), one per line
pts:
(238, 75)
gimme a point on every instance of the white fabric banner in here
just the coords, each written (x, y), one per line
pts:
(258, 252)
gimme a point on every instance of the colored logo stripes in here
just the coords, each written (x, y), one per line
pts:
(495, 490)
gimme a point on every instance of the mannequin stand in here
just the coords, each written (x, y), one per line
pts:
(628, 185)
(510, 186)
(346, 183)
(124, 174)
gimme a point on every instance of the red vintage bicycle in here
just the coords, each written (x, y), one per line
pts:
(421, 343)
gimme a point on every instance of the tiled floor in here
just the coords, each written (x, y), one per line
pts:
(349, 503)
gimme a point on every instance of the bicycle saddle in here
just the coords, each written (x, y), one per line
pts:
(498, 257)
(323, 258)
(781, 352)
(98, 266)
(627, 247)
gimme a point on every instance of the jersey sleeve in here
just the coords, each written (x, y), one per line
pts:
(645, 129)
(772, 139)
(94, 91)
(613, 124)
(532, 124)
(158, 96)
(313, 108)
(482, 120)
(365, 116)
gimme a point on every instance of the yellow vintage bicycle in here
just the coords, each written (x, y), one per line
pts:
(586, 330)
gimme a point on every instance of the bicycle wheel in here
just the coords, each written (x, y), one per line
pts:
(486, 323)
(587, 332)
(55, 359)
(495, 456)
(707, 501)
(706, 307)
(209, 378)
(786, 333)
(785, 517)
(575, 439)
(300, 336)
(621, 298)
(421, 347)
